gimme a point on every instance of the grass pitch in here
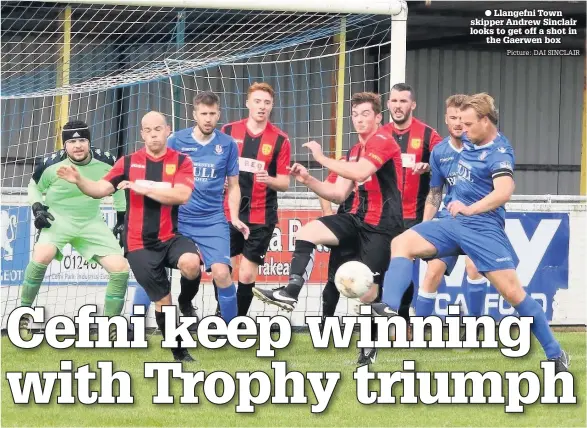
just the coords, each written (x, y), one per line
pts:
(344, 409)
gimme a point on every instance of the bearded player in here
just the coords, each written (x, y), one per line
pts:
(476, 226)
(444, 161)
(416, 140)
(215, 159)
(373, 171)
(64, 215)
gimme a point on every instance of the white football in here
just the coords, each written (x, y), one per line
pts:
(353, 279)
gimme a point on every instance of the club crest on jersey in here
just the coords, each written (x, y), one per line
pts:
(170, 169)
(483, 155)
(266, 149)
(218, 149)
(501, 149)
(415, 143)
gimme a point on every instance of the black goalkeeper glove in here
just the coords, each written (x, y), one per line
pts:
(119, 228)
(42, 216)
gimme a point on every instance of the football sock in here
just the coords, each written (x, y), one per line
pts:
(530, 308)
(227, 302)
(33, 277)
(216, 297)
(404, 307)
(425, 303)
(244, 297)
(115, 293)
(415, 282)
(160, 319)
(301, 263)
(140, 299)
(189, 289)
(476, 292)
(397, 280)
(330, 296)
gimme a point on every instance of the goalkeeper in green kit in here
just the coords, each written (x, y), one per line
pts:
(66, 216)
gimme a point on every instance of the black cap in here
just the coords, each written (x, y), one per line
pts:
(75, 129)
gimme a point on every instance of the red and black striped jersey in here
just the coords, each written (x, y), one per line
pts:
(269, 150)
(148, 222)
(416, 143)
(378, 200)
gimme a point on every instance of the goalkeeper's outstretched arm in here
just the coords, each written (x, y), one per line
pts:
(95, 189)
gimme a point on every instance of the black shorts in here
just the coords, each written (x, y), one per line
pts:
(254, 248)
(373, 246)
(148, 264)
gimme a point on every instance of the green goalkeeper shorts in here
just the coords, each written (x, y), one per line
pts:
(93, 239)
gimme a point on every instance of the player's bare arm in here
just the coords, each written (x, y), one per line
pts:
(334, 192)
(179, 194)
(95, 189)
(279, 183)
(326, 206)
(503, 189)
(234, 200)
(433, 201)
(355, 171)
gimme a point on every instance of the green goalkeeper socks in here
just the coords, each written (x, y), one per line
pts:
(33, 277)
(115, 292)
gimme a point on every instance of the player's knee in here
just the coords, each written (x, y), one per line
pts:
(247, 273)
(165, 301)
(471, 269)
(221, 274)
(399, 245)
(510, 287)
(189, 265)
(118, 264)
(311, 231)
(44, 253)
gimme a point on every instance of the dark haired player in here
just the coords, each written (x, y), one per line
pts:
(373, 171)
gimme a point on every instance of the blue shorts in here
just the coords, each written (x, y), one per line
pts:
(487, 245)
(450, 263)
(212, 239)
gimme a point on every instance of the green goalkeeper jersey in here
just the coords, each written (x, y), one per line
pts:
(65, 200)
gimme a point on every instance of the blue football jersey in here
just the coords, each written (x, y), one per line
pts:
(444, 161)
(478, 167)
(213, 162)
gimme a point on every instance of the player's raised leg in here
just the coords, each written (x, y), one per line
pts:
(375, 155)
(418, 242)
(308, 237)
(485, 184)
